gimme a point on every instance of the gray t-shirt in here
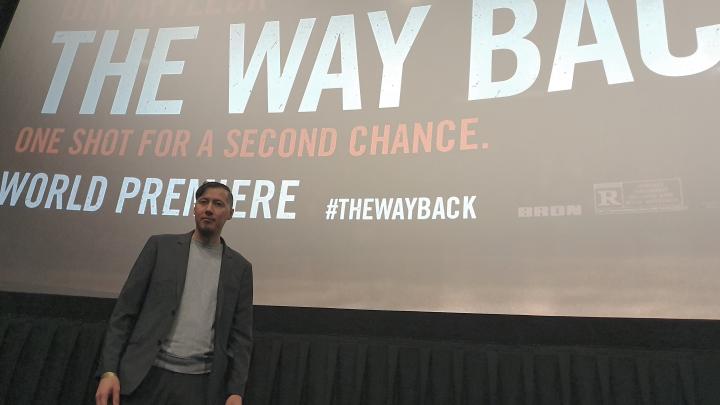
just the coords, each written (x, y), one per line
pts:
(189, 346)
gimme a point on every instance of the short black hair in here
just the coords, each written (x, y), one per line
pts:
(214, 184)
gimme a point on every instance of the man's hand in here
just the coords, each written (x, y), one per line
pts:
(233, 400)
(109, 387)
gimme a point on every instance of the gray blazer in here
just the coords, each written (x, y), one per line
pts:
(148, 302)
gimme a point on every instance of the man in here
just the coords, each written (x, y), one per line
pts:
(181, 330)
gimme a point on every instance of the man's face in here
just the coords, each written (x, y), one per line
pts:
(211, 211)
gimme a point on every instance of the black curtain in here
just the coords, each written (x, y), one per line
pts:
(52, 360)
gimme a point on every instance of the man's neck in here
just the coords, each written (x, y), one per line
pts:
(209, 240)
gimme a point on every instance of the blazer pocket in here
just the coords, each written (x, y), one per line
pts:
(161, 290)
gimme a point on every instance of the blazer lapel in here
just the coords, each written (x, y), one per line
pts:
(183, 245)
(225, 279)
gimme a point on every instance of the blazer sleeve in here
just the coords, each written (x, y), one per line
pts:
(241, 336)
(127, 308)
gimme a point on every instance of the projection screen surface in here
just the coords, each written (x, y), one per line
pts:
(505, 156)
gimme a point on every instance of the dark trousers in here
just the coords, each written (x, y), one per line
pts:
(163, 387)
